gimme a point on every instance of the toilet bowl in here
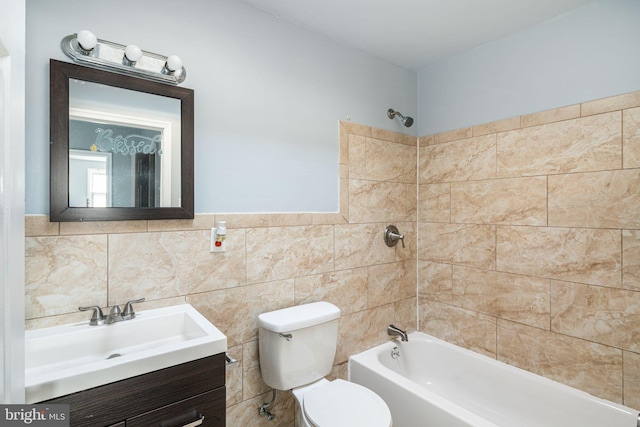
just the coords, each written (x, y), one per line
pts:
(297, 347)
(339, 403)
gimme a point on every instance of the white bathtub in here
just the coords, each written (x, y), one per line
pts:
(434, 383)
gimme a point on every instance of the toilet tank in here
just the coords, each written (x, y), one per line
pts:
(297, 344)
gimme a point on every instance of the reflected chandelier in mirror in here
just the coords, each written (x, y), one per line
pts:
(121, 147)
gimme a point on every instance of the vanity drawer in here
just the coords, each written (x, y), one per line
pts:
(204, 410)
(123, 400)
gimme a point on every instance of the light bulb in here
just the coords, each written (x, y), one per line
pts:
(174, 63)
(87, 39)
(133, 53)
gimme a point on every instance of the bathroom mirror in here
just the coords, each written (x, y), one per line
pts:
(121, 147)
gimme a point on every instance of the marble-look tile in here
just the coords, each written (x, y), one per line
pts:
(631, 259)
(346, 289)
(514, 297)
(261, 220)
(39, 225)
(80, 316)
(356, 129)
(343, 171)
(452, 135)
(233, 376)
(235, 311)
(574, 254)
(390, 161)
(405, 316)
(61, 319)
(468, 329)
(159, 265)
(328, 218)
(63, 273)
(339, 371)
(290, 219)
(406, 139)
(411, 204)
(612, 103)
(435, 282)
(609, 199)
(408, 252)
(150, 304)
(497, 126)
(516, 201)
(463, 160)
(282, 252)
(102, 227)
(246, 220)
(426, 140)
(246, 413)
(200, 222)
(468, 244)
(357, 157)
(344, 198)
(377, 201)
(631, 373)
(252, 384)
(631, 138)
(605, 315)
(578, 145)
(391, 282)
(386, 135)
(588, 366)
(551, 116)
(361, 245)
(362, 330)
(343, 141)
(434, 202)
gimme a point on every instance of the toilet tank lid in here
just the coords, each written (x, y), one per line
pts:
(298, 317)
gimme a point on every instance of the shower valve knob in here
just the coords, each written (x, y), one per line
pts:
(392, 235)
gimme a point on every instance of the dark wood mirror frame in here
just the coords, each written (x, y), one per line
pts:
(60, 211)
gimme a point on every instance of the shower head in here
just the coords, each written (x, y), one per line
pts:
(407, 121)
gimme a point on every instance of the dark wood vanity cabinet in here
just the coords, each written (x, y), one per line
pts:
(191, 394)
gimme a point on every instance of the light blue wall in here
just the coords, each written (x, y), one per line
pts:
(590, 53)
(269, 96)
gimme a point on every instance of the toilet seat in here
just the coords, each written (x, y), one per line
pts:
(344, 404)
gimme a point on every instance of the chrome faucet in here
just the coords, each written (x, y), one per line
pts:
(115, 315)
(397, 332)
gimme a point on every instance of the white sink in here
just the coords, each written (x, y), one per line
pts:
(74, 357)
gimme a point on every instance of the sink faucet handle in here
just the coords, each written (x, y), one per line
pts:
(128, 312)
(97, 318)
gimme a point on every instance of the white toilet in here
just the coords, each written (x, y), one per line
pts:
(297, 347)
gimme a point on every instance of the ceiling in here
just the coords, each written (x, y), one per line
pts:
(416, 33)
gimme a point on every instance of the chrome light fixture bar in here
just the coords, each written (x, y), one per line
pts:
(85, 48)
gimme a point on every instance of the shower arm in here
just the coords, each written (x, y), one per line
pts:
(406, 120)
(391, 113)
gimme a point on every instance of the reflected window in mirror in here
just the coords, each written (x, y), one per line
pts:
(122, 147)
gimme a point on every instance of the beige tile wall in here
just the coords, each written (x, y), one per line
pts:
(529, 252)
(272, 261)
(529, 243)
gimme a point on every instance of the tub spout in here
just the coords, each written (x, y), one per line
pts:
(397, 332)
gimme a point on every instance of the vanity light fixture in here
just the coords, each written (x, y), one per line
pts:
(85, 48)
